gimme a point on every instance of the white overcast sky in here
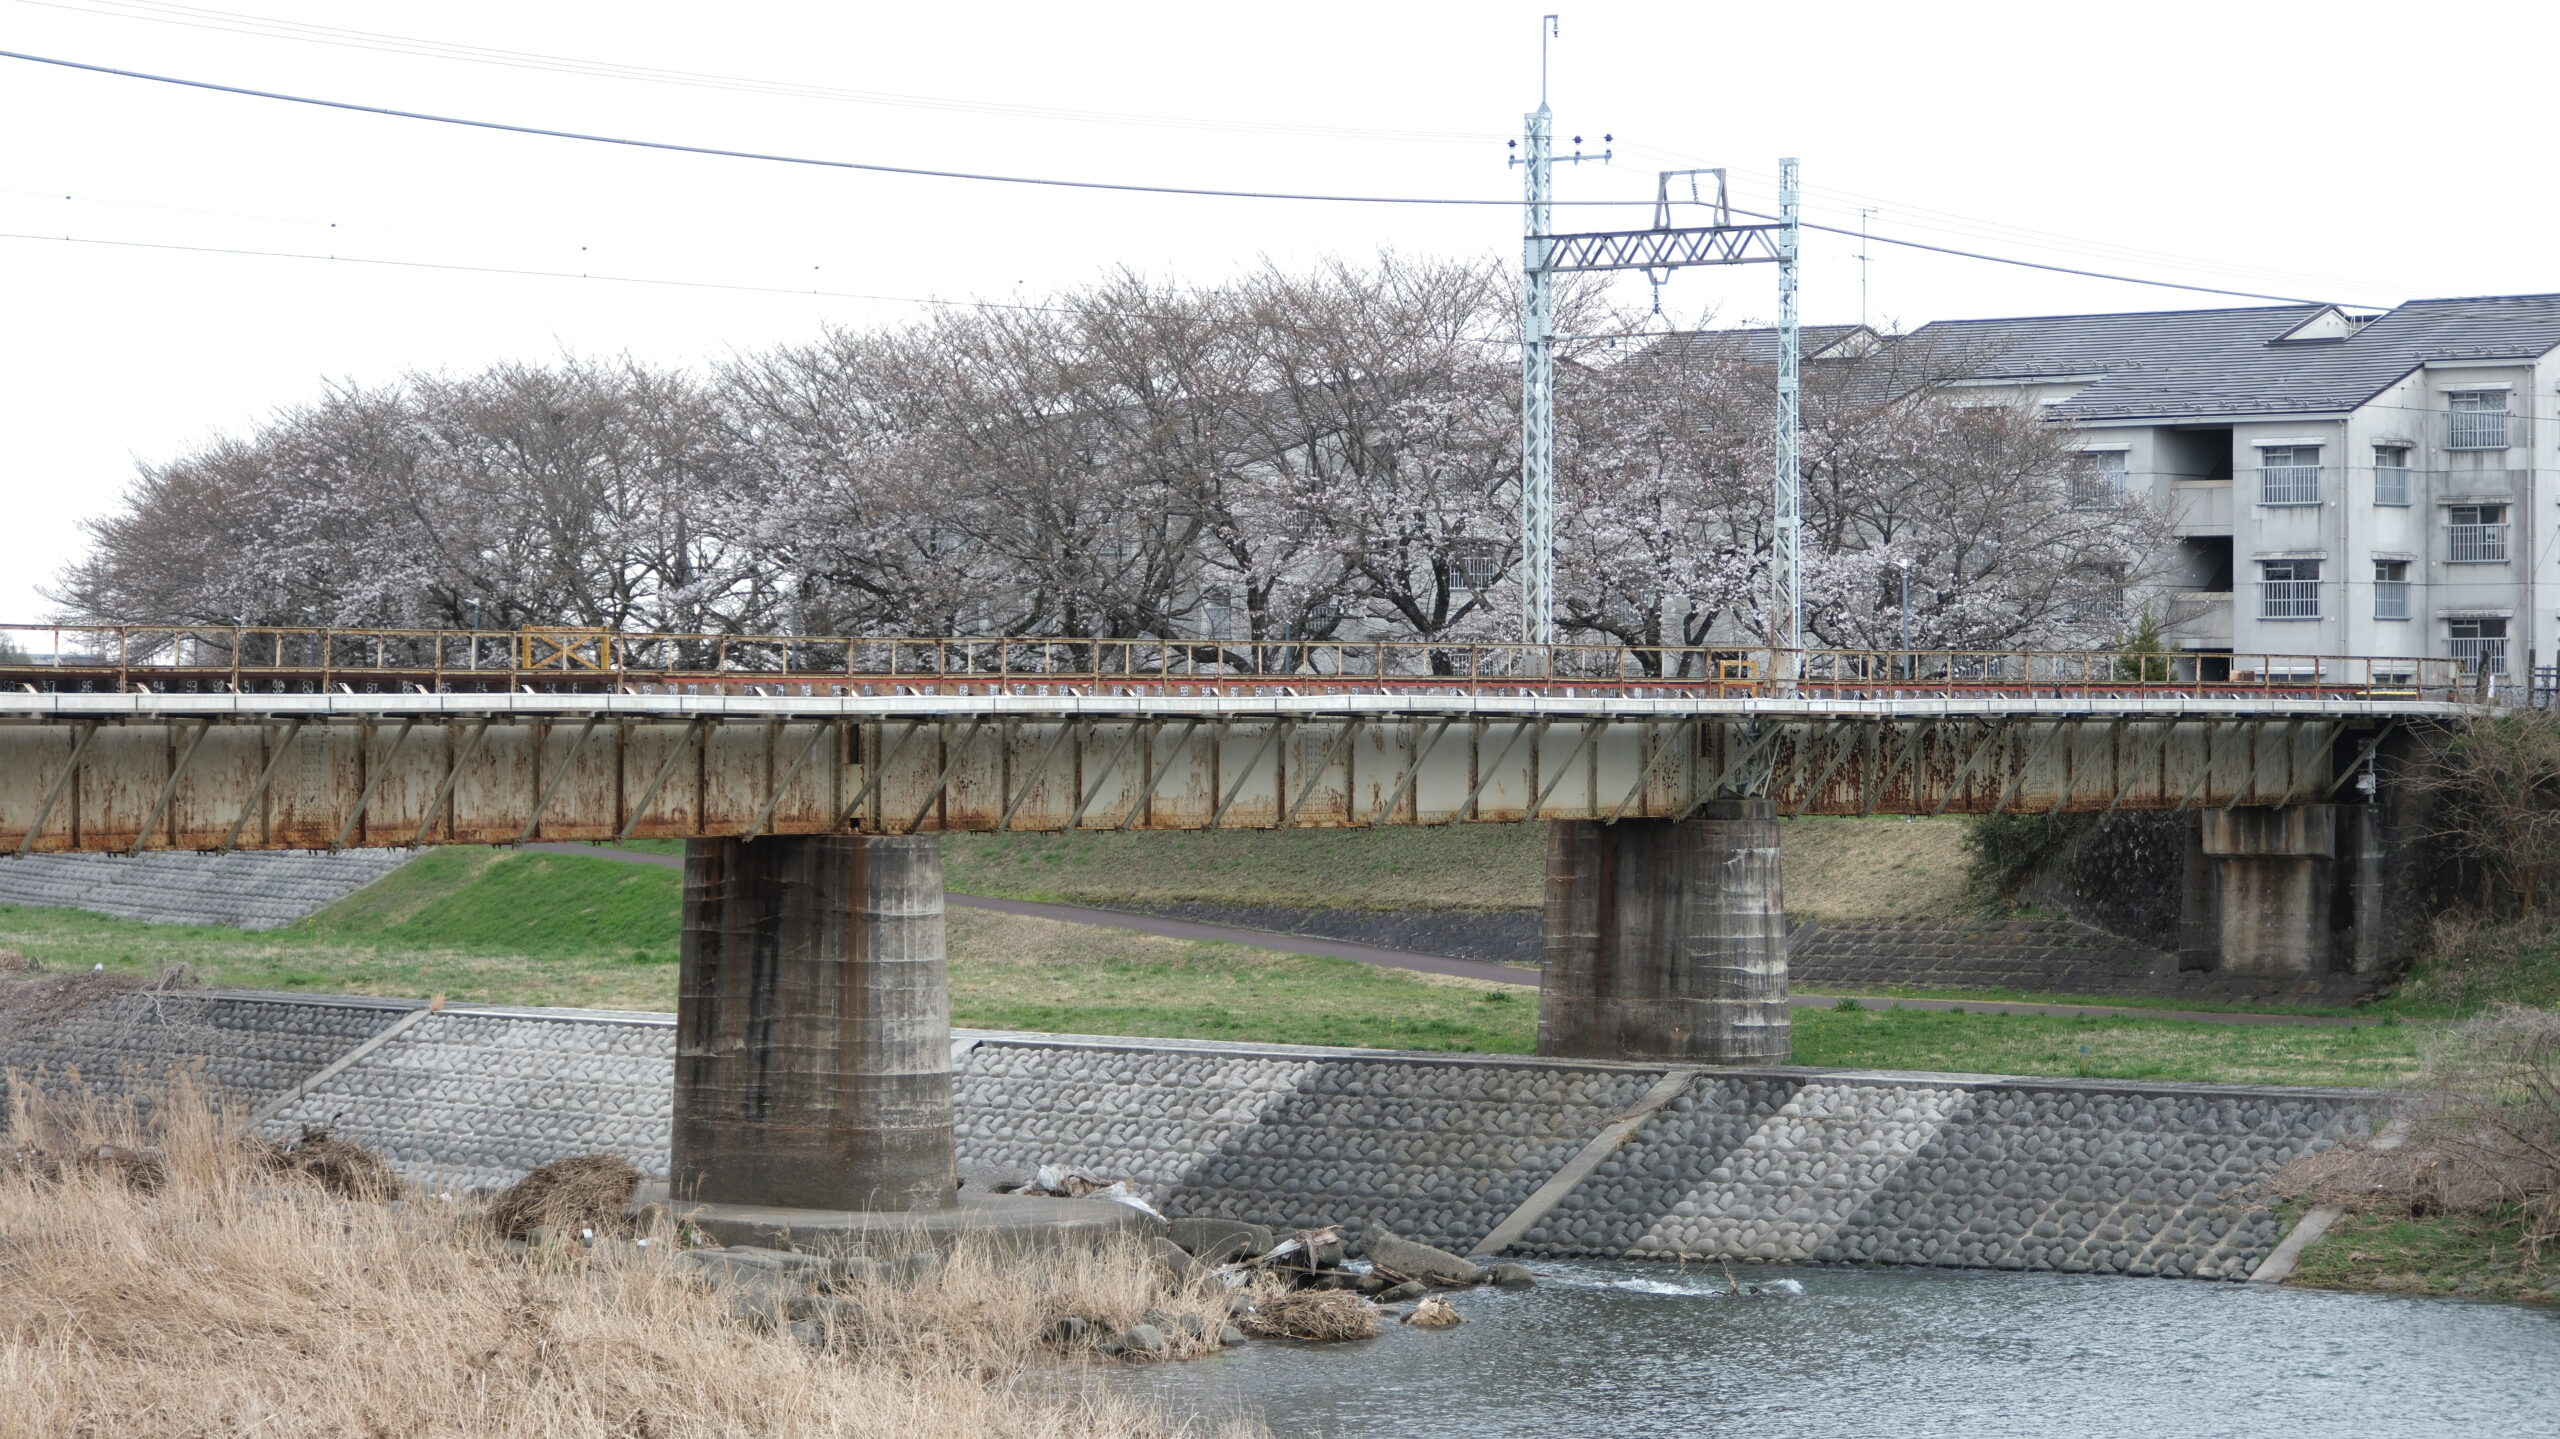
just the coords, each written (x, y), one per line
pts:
(2331, 151)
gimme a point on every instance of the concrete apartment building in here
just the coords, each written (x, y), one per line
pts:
(2340, 484)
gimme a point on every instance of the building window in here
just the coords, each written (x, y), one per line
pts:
(2289, 589)
(2288, 474)
(1474, 569)
(2478, 645)
(2477, 420)
(2391, 589)
(2391, 474)
(2097, 482)
(2099, 597)
(2475, 534)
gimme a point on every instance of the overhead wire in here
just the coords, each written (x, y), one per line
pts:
(1117, 186)
(1026, 307)
(268, 27)
(234, 22)
(725, 153)
(1998, 230)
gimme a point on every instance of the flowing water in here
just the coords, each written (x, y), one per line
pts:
(1621, 1349)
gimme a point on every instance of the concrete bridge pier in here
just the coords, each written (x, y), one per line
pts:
(2275, 887)
(1666, 939)
(813, 1024)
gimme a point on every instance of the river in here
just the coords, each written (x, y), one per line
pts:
(1622, 1349)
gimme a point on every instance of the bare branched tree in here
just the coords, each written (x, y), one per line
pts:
(1331, 453)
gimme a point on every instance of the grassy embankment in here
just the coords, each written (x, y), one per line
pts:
(2469, 1256)
(1869, 869)
(537, 928)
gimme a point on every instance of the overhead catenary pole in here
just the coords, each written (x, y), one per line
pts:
(1786, 569)
(1656, 252)
(1538, 377)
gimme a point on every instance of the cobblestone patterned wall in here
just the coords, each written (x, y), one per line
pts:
(470, 1099)
(1770, 1164)
(1439, 1150)
(245, 889)
(251, 1048)
(2045, 956)
(2005, 1174)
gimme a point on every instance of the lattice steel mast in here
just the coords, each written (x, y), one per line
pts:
(1657, 252)
(1538, 381)
(1786, 562)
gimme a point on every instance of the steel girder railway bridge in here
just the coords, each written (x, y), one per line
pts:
(812, 776)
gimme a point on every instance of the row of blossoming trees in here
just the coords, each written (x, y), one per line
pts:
(1326, 455)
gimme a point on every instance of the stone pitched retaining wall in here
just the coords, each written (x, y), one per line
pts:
(1763, 1164)
(262, 890)
(2041, 956)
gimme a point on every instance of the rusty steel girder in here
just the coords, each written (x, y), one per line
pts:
(133, 772)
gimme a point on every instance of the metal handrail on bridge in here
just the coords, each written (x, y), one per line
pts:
(289, 659)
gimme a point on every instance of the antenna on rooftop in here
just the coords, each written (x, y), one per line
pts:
(1863, 212)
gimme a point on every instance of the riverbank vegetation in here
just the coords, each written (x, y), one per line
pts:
(2462, 1194)
(1836, 869)
(161, 1278)
(482, 926)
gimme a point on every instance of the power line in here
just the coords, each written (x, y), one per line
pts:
(2041, 265)
(268, 27)
(1977, 228)
(727, 154)
(525, 273)
(233, 22)
(721, 153)
(235, 251)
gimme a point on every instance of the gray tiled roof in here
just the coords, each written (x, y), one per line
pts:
(2180, 363)
(2228, 362)
(2150, 341)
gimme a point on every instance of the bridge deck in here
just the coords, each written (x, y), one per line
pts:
(134, 771)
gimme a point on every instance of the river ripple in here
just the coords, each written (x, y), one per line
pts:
(1640, 1350)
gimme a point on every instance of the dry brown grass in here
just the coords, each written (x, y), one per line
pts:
(234, 1301)
(1282, 1312)
(585, 1191)
(2483, 1139)
(340, 1167)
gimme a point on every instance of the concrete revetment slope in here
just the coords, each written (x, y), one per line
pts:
(1766, 1164)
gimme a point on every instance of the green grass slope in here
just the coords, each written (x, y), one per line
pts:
(552, 929)
(1835, 868)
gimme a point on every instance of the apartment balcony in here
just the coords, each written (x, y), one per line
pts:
(2477, 430)
(2289, 484)
(2481, 656)
(2201, 509)
(2199, 619)
(2475, 544)
(2289, 599)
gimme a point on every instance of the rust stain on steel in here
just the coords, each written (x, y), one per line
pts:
(683, 778)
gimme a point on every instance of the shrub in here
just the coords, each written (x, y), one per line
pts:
(2483, 1138)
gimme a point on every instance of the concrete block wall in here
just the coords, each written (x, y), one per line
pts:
(264, 890)
(1442, 1149)
(1762, 1164)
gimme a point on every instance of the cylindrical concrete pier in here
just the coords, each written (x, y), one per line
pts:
(1666, 939)
(813, 1025)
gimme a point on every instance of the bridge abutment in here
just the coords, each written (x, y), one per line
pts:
(2275, 885)
(1666, 939)
(813, 1022)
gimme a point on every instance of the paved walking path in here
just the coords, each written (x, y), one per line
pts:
(1480, 969)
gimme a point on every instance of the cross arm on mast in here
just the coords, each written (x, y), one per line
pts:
(1664, 249)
